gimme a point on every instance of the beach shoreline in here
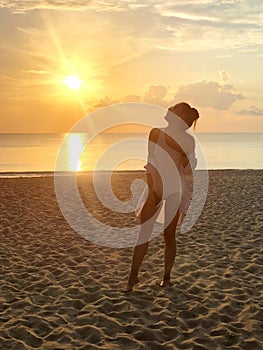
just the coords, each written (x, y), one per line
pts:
(17, 174)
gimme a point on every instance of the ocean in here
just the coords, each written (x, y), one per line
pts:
(36, 153)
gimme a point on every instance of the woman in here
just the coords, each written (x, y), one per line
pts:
(170, 157)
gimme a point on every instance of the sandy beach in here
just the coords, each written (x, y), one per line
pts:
(61, 291)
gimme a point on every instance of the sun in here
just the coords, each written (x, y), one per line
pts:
(72, 81)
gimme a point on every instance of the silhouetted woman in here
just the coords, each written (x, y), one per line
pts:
(171, 156)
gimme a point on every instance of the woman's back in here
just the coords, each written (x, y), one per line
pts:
(167, 159)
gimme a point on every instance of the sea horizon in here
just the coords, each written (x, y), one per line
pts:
(36, 153)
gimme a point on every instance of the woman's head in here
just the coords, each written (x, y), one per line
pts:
(187, 113)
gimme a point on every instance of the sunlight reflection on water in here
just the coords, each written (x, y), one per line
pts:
(38, 152)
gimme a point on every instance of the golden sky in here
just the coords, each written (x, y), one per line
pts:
(208, 53)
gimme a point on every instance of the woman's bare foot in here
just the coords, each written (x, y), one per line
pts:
(166, 283)
(131, 283)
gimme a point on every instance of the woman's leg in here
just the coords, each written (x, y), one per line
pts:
(171, 220)
(148, 217)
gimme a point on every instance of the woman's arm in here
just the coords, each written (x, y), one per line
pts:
(152, 140)
(153, 176)
(189, 161)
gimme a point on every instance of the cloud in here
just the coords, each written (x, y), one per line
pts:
(201, 94)
(209, 94)
(211, 10)
(156, 95)
(170, 25)
(35, 71)
(252, 110)
(28, 5)
(210, 24)
(131, 98)
(103, 102)
(224, 76)
(21, 6)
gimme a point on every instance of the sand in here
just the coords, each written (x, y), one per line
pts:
(60, 291)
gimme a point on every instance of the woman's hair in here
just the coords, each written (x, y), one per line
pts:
(195, 115)
(186, 112)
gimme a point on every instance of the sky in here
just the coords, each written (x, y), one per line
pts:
(208, 53)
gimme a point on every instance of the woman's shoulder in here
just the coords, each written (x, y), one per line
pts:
(190, 137)
(190, 141)
(154, 134)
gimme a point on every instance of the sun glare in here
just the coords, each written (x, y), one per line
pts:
(75, 147)
(72, 81)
